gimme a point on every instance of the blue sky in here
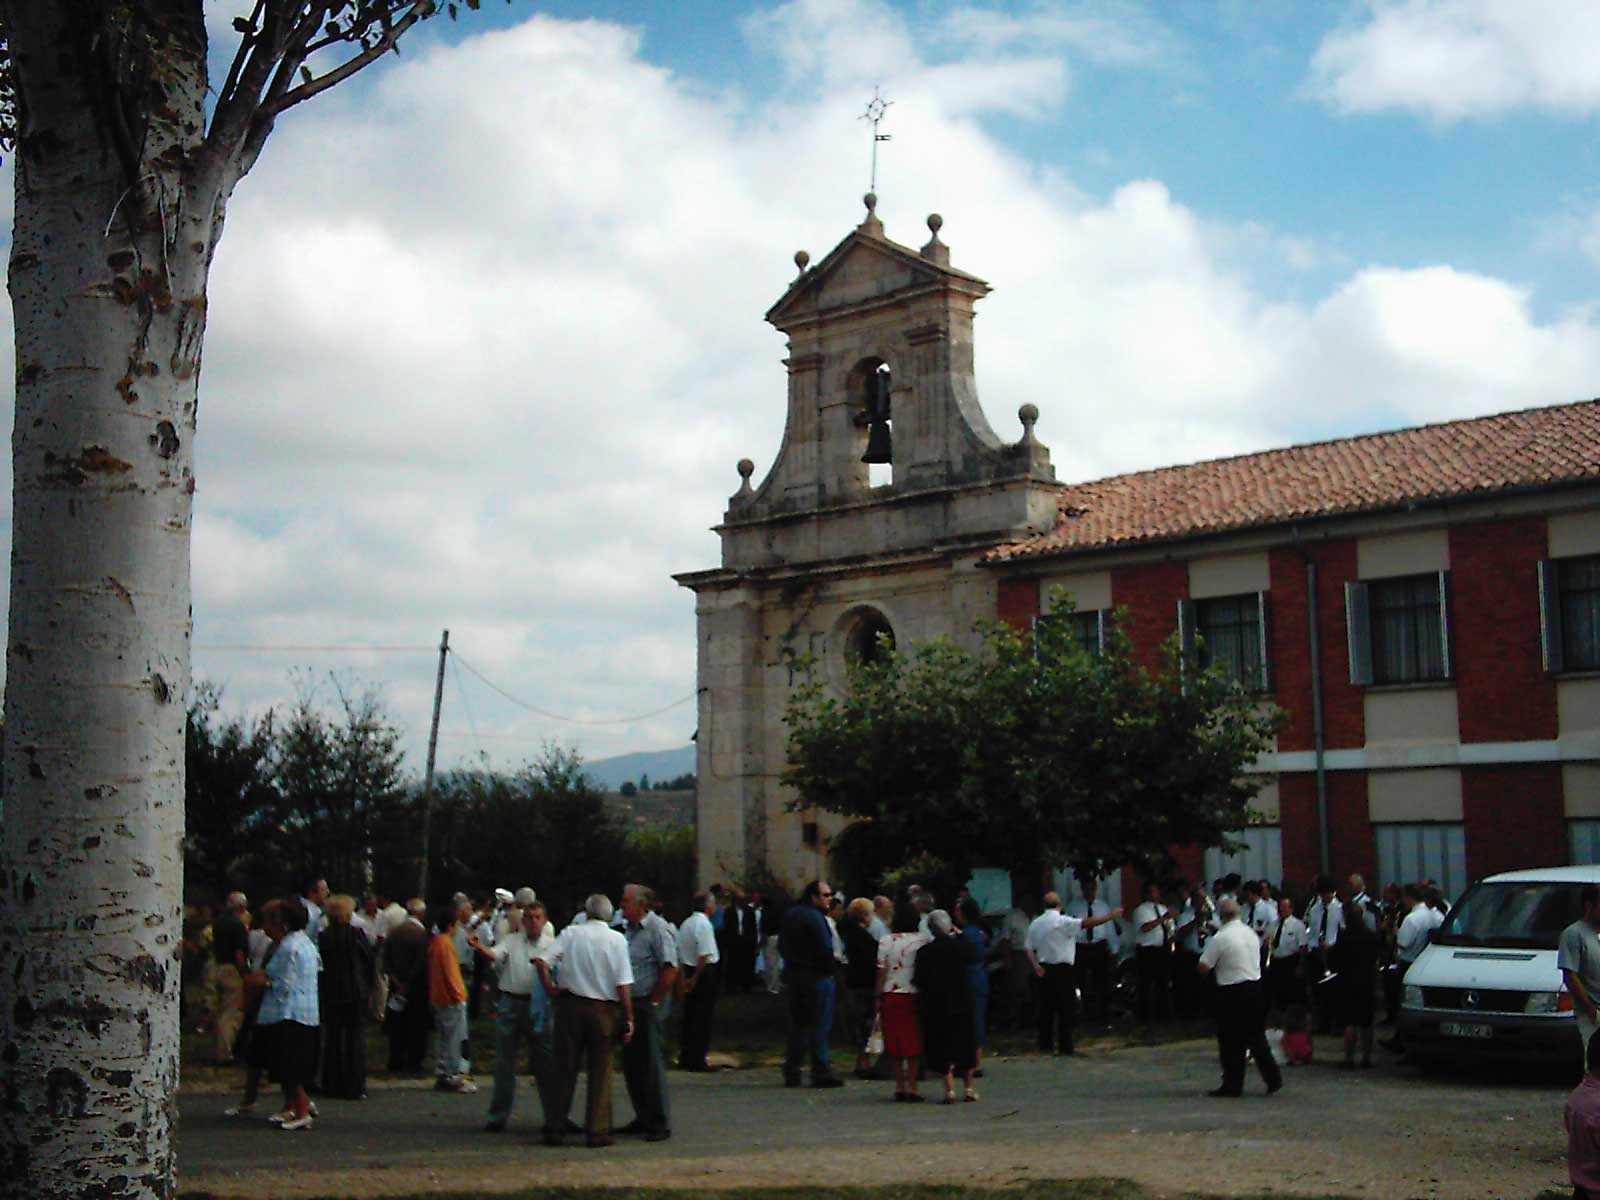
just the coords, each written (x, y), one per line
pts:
(486, 340)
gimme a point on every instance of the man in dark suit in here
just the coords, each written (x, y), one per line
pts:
(740, 969)
(405, 961)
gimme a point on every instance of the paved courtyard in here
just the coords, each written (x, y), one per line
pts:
(1138, 1113)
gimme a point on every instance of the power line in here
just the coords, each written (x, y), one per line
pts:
(533, 708)
(322, 649)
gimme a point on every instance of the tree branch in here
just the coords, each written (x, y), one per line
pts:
(386, 42)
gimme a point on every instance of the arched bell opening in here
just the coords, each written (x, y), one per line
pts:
(869, 638)
(869, 386)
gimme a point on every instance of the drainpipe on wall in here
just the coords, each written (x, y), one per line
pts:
(1316, 715)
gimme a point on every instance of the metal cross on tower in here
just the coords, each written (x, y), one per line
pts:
(875, 113)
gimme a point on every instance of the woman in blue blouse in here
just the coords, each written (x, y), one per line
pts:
(290, 1010)
(972, 930)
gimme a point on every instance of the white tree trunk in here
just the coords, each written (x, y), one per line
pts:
(107, 279)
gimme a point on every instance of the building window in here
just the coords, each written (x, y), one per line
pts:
(808, 833)
(1569, 610)
(1228, 632)
(1399, 629)
(1583, 842)
(1412, 853)
(1086, 629)
(1261, 858)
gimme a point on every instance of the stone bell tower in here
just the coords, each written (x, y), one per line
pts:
(821, 559)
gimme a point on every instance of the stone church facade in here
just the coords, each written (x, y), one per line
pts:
(1424, 604)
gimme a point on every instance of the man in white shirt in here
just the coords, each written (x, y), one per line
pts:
(1234, 956)
(1152, 932)
(1258, 912)
(1286, 958)
(1363, 903)
(522, 1013)
(1325, 917)
(1052, 944)
(594, 1005)
(1099, 946)
(698, 960)
(1193, 928)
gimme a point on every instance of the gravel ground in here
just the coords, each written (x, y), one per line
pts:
(1133, 1112)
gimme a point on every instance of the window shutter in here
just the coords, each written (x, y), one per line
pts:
(1265, 682)
(1358, 631)
(1100, 631)
(1550, 615)
(1444, 625)
(1186, 647)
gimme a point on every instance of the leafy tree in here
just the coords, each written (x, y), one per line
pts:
(228, 795)
(1030, 751)
(644, 783)
(546, 825)
(663, 859)
(127, 155)
(628, 790)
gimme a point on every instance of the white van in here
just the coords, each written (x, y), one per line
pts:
(1487, 984)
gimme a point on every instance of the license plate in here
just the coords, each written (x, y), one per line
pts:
(1456, 1029)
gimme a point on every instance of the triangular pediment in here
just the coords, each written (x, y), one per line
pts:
(864, 268)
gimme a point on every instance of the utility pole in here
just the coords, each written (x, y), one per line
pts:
(427, 776)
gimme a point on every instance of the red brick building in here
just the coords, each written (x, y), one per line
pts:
(1424, 605)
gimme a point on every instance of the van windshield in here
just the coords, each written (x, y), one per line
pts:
(1530, 915)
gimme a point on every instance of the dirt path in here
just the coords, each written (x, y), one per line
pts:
(1135, 1113)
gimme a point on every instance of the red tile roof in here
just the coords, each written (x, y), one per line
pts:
(1538, 447)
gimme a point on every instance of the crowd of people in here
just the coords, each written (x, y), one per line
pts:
(903, 983)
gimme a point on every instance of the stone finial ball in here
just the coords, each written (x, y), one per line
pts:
(1028, 414)
(870, 200)
(802, 259)
(935, 223)
(746, 468)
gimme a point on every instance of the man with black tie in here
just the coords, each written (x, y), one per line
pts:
(1098, 947)
(739, 969)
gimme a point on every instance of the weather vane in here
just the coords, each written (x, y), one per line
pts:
(875, 113)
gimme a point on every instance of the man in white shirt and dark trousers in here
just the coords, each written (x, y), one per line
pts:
(1098, 947)
(698, 959)
(1286, 967)
(1152, 929)
(1052, 950)
(1233, 955)
(594, 1007)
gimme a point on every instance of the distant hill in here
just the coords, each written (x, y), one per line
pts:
(612, 773)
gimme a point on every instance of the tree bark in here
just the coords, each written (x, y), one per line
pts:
(116, 220)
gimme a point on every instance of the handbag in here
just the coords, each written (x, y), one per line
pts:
(875, 1038)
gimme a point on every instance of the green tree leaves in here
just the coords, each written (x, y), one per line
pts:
(1031, 751)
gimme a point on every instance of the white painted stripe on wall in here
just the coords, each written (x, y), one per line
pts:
(1392, 757)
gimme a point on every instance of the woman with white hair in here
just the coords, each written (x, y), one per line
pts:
(943, 978)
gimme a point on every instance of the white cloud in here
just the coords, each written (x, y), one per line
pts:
(1114, 34)
(1458, 59)
(486, 343)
